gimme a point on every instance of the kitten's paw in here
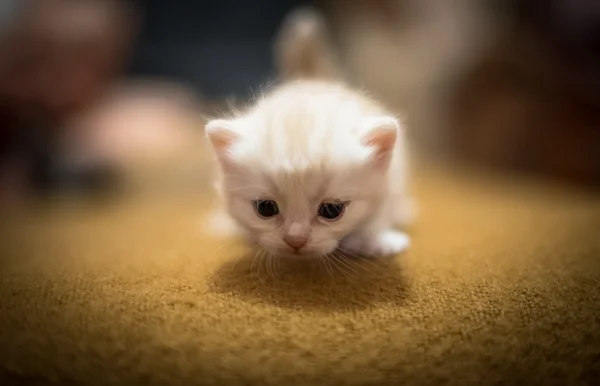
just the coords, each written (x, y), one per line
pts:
(406, 213)
(389, 243)
(219, 224)
(386, 243)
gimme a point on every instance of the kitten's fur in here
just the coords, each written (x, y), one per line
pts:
(309, 142)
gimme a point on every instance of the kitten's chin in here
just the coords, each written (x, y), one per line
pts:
(302, 254)
(288, 254)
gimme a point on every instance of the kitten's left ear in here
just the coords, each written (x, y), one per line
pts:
(380, 135)
(222, 135)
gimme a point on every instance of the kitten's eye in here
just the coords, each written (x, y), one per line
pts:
(266, 208)
(331, 210)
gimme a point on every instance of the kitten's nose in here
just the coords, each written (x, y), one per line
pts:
(296, 236)
(295, 242)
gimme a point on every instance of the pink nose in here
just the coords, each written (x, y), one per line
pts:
(295, 241)
(296, 235)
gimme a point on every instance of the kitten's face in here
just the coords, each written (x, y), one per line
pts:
(300, 189)
(302, 213)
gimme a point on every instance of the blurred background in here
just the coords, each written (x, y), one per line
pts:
(101, 94)
(107, 99)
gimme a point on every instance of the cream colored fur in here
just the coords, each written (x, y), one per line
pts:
(305, 143)
(310, 141)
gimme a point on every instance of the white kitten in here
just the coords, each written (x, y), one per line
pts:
(311, 167)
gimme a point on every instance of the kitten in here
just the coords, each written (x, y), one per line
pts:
(312, 167)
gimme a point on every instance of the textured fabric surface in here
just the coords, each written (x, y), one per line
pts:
(501, 286)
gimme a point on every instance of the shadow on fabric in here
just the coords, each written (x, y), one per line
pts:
(335, 285)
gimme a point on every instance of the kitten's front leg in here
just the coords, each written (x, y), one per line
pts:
(383, 243)
(219, 224)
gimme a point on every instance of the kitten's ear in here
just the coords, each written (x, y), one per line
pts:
(222, 135)
(380, 135)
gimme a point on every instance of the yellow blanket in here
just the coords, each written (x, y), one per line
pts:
(501, 285)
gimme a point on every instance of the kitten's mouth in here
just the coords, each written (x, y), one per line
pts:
(295, 254)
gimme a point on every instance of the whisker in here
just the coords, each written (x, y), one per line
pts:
(337, 263)
(330, 264)
(275, 261)
(325, 260)
(225, 244)
(351, 254)
(271, 266)
(342, 260)
(254, 261)
(374, 261)
(262, 263)
(267, 260)
(240, 258)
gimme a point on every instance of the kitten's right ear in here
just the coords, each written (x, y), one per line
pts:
(222, 135)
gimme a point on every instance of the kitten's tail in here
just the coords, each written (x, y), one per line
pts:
(303, 48)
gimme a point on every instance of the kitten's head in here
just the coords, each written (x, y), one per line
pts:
(297, 187)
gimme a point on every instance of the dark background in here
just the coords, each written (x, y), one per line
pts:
(220, 47)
